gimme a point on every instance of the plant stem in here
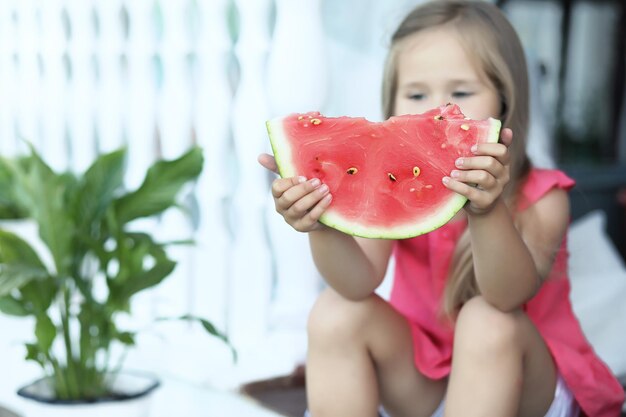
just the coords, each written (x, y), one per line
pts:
(61, 389)
(73, 385)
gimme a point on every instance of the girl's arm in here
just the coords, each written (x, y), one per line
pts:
(509, 265)
(354, 267)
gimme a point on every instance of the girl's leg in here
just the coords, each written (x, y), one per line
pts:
(500, 367)
(361, 354)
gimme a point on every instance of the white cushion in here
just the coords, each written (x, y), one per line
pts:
(598, 278)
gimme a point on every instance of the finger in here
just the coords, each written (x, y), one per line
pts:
(506, 136)
(303, 205)
(496, 150)
(471, 193)
(281, 185)
(310, 221)
(268, 162)
(294, 194)
(479, 200)
(487, 163)
(479, 178)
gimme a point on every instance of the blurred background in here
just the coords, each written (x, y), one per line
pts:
(80, 77)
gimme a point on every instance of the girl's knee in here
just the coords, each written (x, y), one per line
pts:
(334, 317)
(483, 328)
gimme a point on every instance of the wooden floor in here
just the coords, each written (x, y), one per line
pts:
(285, 394)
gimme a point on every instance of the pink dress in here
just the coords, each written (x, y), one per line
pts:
(420, 274)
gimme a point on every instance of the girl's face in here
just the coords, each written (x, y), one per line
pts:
(434, 69)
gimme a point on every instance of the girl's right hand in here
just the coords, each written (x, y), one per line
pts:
(300, 202)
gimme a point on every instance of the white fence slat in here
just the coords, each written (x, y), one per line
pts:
(302, 85)
(299, 87)
(140, 64)
(26, 70)
(141, 86)
(173, 120)
(109, 57)
(8, 141)
(174, 104)
(80, 110)
(251, 266)
(212, 122)
(54, 86)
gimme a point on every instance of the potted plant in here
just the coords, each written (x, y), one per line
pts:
(96, 265)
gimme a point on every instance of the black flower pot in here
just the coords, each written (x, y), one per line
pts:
(130, 397)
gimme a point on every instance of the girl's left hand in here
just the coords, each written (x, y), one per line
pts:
(481, 178)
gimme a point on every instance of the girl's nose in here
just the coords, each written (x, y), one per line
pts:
(440, 99)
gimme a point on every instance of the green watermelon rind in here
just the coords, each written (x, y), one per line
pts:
(282, 152)
(280, 146)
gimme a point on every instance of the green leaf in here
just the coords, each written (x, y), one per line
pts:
(133, 252)
(145, 279)
(126, 338)
(14, 277)
(19, 263)
(39, 294)
(15, 250)
(43, 192)
(13, 307)
(208, 326)
(160, 187)
(96, 191)
(45, 332)
(33, 353)
(97, 329)
(9, 205)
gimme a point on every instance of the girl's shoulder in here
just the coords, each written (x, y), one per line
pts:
(539, 182)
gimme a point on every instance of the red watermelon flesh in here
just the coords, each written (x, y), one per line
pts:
(385, 178)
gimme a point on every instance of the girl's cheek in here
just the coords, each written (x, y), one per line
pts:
(482, 106)
(476, 110)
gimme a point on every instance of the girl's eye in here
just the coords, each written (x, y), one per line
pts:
(416, 96)
(461, 94)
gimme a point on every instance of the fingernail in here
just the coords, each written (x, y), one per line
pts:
(301, 179)
(474, 148)
(315, 182)
(445, 180)
(455, 174)
(323, 189)
(459, 162)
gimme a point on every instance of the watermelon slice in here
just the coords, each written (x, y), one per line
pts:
(385, 177)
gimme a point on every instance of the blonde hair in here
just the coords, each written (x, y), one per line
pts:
(489, 39)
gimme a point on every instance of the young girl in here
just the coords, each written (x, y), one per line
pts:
(479, 322)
